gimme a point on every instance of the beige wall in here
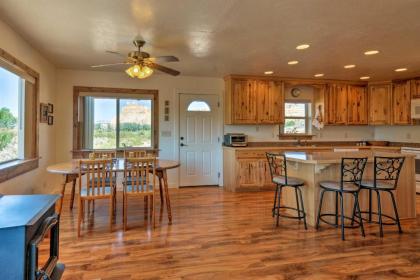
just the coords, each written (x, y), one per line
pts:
(169, 87)
(36, 180)
(398, 133)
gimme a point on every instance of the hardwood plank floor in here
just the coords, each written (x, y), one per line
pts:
(223, 235)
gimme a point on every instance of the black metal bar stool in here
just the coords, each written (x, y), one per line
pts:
(385, 179)
(278, 171)
(350, 181)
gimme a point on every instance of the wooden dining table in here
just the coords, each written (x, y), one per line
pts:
(70, 173)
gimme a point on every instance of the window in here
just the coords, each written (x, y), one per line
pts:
(11, 116)
(297, 118)
(112, 118)
(198, 106)
(19, 107)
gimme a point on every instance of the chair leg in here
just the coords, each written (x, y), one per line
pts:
(370, 206)
(396, 212)
(79, 216)
(297, 203)
(319, 210)
(146, 199)
(278, 206)
(152, 201)
(73, 190)
(354, 212)
(275, 200)
(111, 212)
(336, 209)
(381, 230)
(342, 215)
(357, 208)
(125, 212)
(303, 208)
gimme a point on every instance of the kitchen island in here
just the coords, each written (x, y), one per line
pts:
(314, 167)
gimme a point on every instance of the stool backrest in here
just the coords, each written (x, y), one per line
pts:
(98, 176)
(352, 170)
(387, 170)
(277, 163)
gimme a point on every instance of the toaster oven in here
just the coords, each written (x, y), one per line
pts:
(235, 140)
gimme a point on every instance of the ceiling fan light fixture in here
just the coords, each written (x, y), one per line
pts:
(139, 71)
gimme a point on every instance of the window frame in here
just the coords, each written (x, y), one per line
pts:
(307, 118)
(30, 102)
(80, 91)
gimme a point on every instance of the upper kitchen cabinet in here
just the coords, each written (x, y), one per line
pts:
(253, 101)
(336, 104)
(357, 105)
(380, 96)
(401, 103)
(415, 88)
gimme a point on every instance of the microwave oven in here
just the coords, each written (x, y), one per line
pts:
(235, 140)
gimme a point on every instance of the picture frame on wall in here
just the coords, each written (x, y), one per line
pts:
(50, 120)
(50, 108)
(43, 109)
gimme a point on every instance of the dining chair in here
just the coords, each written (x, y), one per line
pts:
(104, 154)
(99, 185)
(137, 183)
(135, 153)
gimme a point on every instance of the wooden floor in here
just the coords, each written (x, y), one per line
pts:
(222, 235)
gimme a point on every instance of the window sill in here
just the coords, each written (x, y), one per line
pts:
(15, 168)
(296, 136)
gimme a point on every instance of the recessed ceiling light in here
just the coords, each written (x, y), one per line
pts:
(371, 52)
(365, 78)
(302, 47)
(293, 62)
(400, 69)
(319, 75)
(268, 72)
(349, 66)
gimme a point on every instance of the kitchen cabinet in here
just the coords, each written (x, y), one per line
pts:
(253, 101)
(357, 103)
(336, 104)
(401, 103)
(380, 103)
(415, 88)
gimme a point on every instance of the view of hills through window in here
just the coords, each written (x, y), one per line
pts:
(296, 117)
(122, 123)
(9, 115)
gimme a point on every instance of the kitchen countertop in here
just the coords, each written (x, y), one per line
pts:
(291, 148)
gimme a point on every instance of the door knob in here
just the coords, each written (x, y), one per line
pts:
(182, 145)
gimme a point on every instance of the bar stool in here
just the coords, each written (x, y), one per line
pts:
(278, 171)
(350, 182)
(385, 179)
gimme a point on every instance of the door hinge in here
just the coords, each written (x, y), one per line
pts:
(218, 174)
(218, 139)
(218, 104)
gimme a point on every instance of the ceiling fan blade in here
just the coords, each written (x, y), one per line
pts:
(114, 52)
(106, 65)
(163, 58)
(163, 69)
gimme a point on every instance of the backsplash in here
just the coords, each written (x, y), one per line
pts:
(262, 133)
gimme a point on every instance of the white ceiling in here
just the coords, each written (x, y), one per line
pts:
(219, 37)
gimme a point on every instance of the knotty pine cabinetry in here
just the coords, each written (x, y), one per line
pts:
(357, 105)
(380, 97)
(401, 103)
(253, 101)
(415, 88)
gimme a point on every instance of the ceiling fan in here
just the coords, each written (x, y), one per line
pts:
(142, 65)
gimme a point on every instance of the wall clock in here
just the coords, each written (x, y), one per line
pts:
(295, 92)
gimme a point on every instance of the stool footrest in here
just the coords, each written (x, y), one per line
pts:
(356, 222)
(377, 215)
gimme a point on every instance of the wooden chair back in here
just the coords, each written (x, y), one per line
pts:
(131, 153)
(137, 173)
(99, 181)
(105, 154)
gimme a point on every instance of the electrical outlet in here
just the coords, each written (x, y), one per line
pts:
(408, 136)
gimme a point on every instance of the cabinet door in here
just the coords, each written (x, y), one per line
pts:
(244, 105)
(265, 174)
(415, 88)
(270, 102)
(357, 105)
(336, 104)
(401, 103)
(249, 172)
(380, 104)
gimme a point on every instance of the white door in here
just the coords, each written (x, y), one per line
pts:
(199, 141)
